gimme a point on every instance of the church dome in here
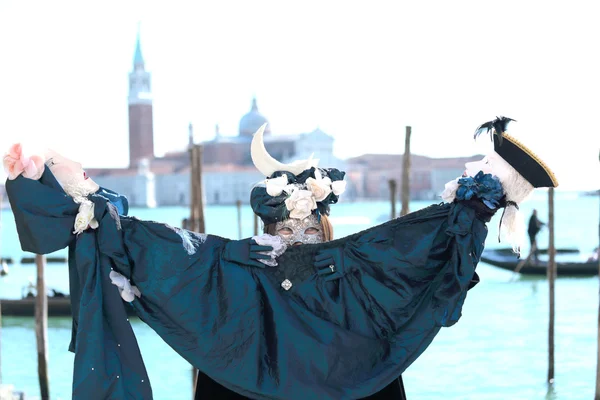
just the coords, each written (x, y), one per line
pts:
(253, 120)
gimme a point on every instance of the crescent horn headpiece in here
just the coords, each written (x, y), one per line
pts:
(267, 165)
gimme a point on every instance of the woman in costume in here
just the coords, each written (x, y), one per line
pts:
(294, 224)
(335, 320)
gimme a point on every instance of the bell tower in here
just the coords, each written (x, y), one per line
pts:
(141, 134)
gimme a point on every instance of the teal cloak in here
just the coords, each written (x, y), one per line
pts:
(343, 339)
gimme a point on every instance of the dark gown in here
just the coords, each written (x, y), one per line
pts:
(341, 339)
(207, 389)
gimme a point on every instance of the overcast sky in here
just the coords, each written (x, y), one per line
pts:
(361, 71)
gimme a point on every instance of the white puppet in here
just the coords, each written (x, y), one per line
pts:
(518, 169)
(68, 173)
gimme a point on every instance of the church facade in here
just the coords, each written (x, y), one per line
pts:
(227, 170)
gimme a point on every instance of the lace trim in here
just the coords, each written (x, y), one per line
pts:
(276, 242)
(190, 240)
(114, 213)
(77, 190)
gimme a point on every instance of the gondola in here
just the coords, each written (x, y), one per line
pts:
(569, 262)
(58, 306)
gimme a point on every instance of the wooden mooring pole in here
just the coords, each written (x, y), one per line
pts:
(191, 224)
(255, 224)
(41, 327)
(239, 215)
(200, 196)
(597, 395)
(196, 196)
(551, 273)
(196, 221)
(405, 192)
(392, 183)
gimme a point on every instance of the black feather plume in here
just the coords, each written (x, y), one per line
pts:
(497, 126)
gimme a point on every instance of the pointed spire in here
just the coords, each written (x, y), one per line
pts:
(254, 106)
(190, 135)
(138, 59)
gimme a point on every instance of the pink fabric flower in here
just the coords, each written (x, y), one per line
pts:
(16, 162)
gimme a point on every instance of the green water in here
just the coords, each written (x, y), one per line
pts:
(498, 350)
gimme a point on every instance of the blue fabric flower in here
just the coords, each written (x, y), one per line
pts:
(485, 187)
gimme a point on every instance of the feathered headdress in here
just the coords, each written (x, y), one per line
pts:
(497, 126)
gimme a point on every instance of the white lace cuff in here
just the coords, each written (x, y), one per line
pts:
(276, 242)
(85, 217)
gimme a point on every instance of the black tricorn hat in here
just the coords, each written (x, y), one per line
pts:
(519, 156)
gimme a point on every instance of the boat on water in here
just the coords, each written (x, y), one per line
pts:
(59, 305)
(569, 262)
(31, 260)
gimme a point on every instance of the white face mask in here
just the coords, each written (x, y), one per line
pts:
(69, 174)
(295, 231)
(473, 168)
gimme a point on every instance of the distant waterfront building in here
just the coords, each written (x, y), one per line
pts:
(228, 172)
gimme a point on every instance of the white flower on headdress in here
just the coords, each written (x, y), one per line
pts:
(338, 187)
(321, 187)
(85, 217)
(301, 203)
(291, 188)
(449, 193)
(276, 185)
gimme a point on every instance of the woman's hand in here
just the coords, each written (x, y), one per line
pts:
(246, 252)
(330, 264)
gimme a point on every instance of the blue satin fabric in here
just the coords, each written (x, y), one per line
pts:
(108, 363)
(344, 339)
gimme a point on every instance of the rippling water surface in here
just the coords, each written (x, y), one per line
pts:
(498, 350)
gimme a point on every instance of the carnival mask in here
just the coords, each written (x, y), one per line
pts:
(295, 231)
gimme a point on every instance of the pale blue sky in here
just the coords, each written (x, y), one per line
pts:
(361, 71)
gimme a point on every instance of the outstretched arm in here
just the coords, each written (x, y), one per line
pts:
(246, 252)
